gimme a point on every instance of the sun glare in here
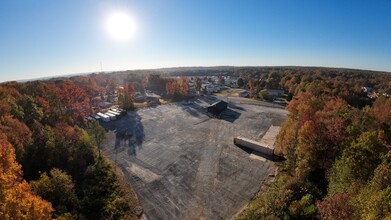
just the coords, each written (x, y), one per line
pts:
(120, 26)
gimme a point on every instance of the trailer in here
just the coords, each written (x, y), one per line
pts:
(103, 117)
(112, 116)
(114, 113)
(254, 145)
(118, 110)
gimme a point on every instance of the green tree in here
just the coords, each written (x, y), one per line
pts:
(98, 134)
(303, 208)
(197, 84)
(240, 82)
(100, 186)
(357, 164)
(58, 188)
(273, 81)
(364, 155)
(263, 94)
(125, 102)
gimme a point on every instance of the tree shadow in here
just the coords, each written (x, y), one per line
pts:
(193, 108)
(129, 132)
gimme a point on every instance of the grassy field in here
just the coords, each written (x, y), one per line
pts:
(230, 92)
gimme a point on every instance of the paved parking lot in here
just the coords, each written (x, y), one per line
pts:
(183, 164)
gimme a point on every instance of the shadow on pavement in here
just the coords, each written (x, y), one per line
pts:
(193, 108)
(234, 106)
(196, 108)
(230, 115)
(129, 132)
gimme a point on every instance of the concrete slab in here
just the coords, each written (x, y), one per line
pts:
(270, 137)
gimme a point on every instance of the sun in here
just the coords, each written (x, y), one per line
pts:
(120, 26)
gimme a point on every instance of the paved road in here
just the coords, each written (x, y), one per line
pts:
(182, 164)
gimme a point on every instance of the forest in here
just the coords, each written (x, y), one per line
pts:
(335, 141)
(50, 166)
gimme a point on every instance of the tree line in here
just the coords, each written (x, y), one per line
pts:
(336, 142)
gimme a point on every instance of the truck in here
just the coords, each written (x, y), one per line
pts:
(114, 112)
(254, 145)
(103, 117)
(112, 116)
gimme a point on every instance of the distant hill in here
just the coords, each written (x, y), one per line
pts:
(207, 70)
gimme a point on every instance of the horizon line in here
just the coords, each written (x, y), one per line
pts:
(178, 67)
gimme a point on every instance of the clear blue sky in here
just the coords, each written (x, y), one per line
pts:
(53, 37)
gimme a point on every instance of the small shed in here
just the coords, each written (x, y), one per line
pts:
(217, 107)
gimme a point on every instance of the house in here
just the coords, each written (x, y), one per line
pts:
(275, 92)
(105, 104)
(210, 88)
(231, 81)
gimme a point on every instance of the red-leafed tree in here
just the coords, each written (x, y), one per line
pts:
(18, 134)
(75, 100)
(170, 87)
(335, 207)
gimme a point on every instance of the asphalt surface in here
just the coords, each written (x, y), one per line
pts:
(183, 164)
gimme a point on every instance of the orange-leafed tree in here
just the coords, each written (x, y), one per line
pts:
(130, 90)
(184, 87)
(17, 201)
(177, 88)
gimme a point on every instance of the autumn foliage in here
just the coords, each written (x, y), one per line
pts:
(336, 142)
(17, 201)
(42, 136)
(177, 88)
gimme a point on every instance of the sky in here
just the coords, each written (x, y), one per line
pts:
(40, 38)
